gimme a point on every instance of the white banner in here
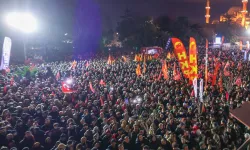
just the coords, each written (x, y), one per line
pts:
(195, 87)
(6, 53)
(201, 90)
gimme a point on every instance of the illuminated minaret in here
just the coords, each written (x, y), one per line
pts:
(207, 16)
(244, 12)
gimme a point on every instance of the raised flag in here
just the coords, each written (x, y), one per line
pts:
(241, 45)
(144, 64)
(193, 72)
(181, 55)
(201, 90)
(102, 82)
(195, 87)
(66, 88)
(226, 72)
(138, 70)
(216, 69)
(91, 87)
(168, 55)
(6, 53)
(238, 81)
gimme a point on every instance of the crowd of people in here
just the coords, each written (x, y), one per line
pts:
(123, 111)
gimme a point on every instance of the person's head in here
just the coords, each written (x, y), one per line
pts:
(140, 137)
(61, 146)
(120, 147)
(146, 147)
(56, 125)
(70, 144)
(126, 139)
(79, 146)
(83, 139)
(113, 142)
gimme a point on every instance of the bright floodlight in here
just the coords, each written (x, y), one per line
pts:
(69, 81)
(24, 22)
(248, 31)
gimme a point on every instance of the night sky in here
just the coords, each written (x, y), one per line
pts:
(63, 11)
(86, 19)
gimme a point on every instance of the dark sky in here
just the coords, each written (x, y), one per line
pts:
(85, 19)
(194, 9)
(63, 11)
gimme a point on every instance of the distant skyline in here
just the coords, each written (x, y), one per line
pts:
(193, 9)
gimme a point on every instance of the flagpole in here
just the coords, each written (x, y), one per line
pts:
(206, 64)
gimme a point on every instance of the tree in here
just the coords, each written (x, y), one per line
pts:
(136, 31)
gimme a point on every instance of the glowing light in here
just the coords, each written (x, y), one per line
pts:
(217, 40)
(69, 81)
(24, 22)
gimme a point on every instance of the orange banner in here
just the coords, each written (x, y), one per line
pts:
(206, 44)
(180, 53)
(241, 45)
(165, 70)
(193, 72)
(138, 70)
(168, 55)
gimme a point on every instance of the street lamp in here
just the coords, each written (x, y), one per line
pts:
(22, 21)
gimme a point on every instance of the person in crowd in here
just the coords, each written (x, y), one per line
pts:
(109, 107)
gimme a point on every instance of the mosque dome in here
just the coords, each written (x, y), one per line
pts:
(234, 9)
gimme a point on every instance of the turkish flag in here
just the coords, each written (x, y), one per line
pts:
(66, 88)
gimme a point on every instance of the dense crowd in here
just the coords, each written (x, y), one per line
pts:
(123, 111)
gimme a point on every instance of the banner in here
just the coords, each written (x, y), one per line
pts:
(165, 69)
(201, 90)
(241, 45)
(215, 73)
(245, 55)
(193, 72)
(138, 70)
(180, 53)
(6, 53)
(195, 87)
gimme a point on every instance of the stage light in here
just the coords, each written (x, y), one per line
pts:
(69, 81)
(25, 22)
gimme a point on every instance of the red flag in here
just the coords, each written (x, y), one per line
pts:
(226, 72)
(192, 93)
(32, 67)
(102, 82)
(177, 77)
(109, 97)
(206, 44)
(91, 87)
(156, 55)
(203, 109)
(66, 88)
(101, 101)
(5, 89)
(138, 70)
(87, 64)
(217, 66)
(86, 100)
(238, 81)
(193, 72)
(180, 52)
(159, 77)
(227, 96)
